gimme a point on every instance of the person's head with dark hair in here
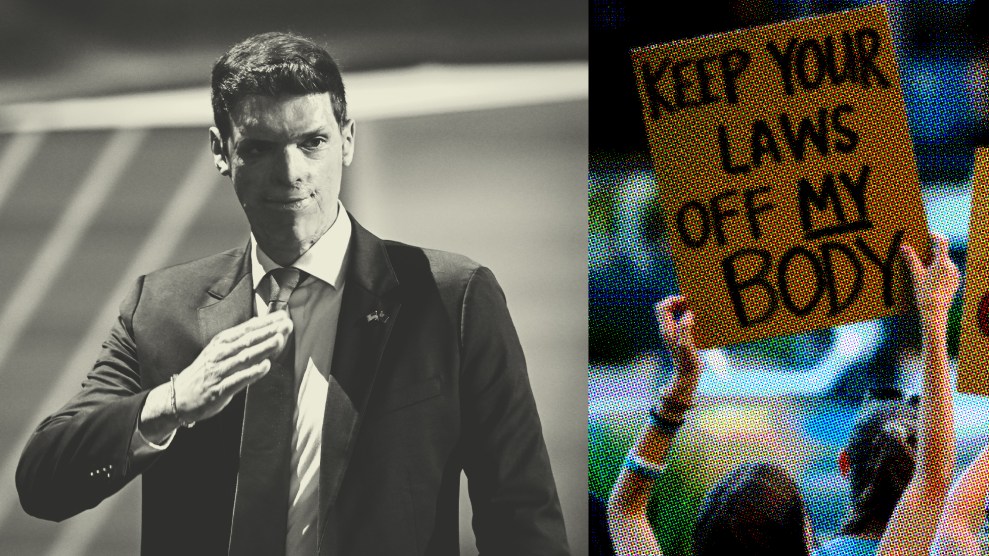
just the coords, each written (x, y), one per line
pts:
(274, 64)
(282, 136)
(878, 462)
(755, 509)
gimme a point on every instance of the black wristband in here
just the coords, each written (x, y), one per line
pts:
(675, 406)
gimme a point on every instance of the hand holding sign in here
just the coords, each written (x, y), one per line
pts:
(934, 286)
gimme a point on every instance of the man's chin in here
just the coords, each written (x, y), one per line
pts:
(288, 242)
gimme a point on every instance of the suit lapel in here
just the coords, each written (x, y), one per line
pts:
(368, 312)
(230, 299)
(369, 309)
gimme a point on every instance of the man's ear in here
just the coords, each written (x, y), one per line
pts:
(844, 464)
(347, 132)
(218, 147)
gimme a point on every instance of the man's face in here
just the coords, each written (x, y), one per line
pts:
(285, 156)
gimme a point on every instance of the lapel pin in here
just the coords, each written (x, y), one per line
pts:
(377, 316)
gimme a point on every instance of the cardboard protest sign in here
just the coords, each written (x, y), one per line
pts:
(786, 173)
(973, 348)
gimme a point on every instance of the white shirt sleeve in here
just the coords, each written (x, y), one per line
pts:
(142, 447)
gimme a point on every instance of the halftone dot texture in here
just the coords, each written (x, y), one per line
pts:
(629, 268)
(933, 67)
(971, 373)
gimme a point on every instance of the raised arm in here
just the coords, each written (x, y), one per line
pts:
(84, 452)
(964, 511)
(79, 455)
(911, 528)
(630, 530)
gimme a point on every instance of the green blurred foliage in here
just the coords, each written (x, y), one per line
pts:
(600, 216)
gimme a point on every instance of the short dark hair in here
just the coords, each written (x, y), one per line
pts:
(274, 64)
(881, 455)
(754, 509)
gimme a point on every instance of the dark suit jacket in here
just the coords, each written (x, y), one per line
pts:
(441, 386)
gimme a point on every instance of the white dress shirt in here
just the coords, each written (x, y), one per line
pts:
(315, 309)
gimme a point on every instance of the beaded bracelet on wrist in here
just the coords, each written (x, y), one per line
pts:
(664, 423)
(643, 468)
(175, 407)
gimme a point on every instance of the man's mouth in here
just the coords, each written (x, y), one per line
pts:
(294, 202)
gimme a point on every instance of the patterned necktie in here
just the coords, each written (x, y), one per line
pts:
(260, 519)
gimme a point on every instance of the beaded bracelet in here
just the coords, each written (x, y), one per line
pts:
(665, 425)
(175, 408)
(643, 468)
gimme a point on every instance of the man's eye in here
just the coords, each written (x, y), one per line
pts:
(252, 150)
(313, 143)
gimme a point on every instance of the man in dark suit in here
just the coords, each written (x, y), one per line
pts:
(316, 392)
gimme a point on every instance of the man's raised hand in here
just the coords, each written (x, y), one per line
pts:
(233, 359)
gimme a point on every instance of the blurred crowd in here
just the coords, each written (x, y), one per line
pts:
(898, 461)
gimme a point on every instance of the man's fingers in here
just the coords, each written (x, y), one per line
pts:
(253, 337)
(251, 355)
(234, 333)
(244, 378)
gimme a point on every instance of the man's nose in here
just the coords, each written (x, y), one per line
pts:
(292, 166)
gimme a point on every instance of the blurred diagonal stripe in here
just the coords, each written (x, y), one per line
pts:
(154, 253)
(14, 160)
(61, 242)
(373, 95)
